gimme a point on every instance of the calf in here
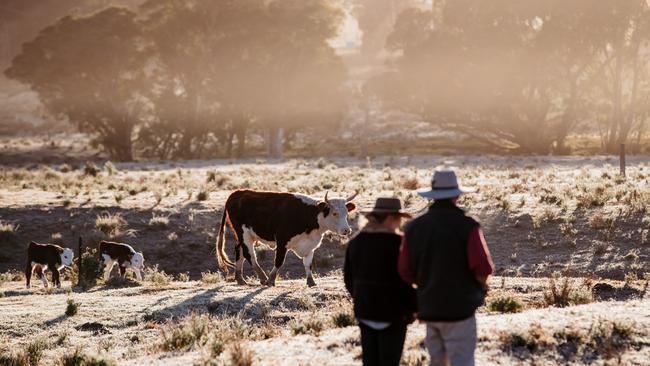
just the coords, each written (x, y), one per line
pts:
(124, 255)
(41, 257)
(282, 220)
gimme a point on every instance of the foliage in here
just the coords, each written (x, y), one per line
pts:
(72, 308)
(91, 269)
(522, 76)
(86, 69)
(505, 304)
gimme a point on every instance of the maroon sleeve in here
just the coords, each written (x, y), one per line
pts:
(404, 264)
(478, 254)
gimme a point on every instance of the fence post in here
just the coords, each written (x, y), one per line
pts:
(79, 264)
(622, 159)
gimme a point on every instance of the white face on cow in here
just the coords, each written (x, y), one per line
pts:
(337, 218)
(66, 257)
(137, 261)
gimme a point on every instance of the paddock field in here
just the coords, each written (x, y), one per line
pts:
(570, 219)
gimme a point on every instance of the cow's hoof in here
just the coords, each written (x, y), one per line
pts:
(270, 282)
(264, 279)
(241, 281)
(28, 286)
(58, 286)
(310, 282)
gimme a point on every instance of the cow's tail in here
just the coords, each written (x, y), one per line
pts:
(222, 257)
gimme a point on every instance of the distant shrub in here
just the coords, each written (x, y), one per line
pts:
(598, 221)
(563, 295)
(110, 168)
(159, 222)
(157, 276)
(72, 308)
(240, 356)
(13, 359)
(203, 195)
(212, 278)
(91, 169)
(34, 351)
(343, 319)
(184, 277)
(109, 224)
(7, 233)
(91, 269)
(533, 340)
(79, 358)
(505, 304)
(307, 326)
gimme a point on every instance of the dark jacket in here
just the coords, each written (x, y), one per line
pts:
(437, 245)
(371, 277)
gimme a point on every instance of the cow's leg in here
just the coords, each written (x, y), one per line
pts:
(108, 266)
(239, 265)
(122, 271)
(280, 254)
(307, 261)
(138, 273)
(41, 274)
(249, 241)
(28, 273)
(56, 277)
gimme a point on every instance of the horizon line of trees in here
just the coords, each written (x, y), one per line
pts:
(186, 79)
(175, 79)
(523, 75)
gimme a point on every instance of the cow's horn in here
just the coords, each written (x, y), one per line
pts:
(326, 200)
(352, 197)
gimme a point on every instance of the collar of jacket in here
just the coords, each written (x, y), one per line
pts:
(444, 205)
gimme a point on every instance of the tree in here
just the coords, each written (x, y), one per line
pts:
(517, 75)
(229, 65)
(87, 70)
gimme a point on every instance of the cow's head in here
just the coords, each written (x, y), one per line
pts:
(66, 257)
(137, 260)
(335, 214)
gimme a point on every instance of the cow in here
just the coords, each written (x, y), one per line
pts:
(122, 254)
(41, 257)
(283, 221)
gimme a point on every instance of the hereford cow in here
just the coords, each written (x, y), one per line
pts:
(282, 221)
(41, 257)
(122, 254)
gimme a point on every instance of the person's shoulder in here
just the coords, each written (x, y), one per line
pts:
(417, 221)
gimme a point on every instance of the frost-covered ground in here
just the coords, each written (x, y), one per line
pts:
(572, 217)
(183, 323)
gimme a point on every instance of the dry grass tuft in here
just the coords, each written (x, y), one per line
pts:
(72, 308)
(110, 224)
(79, 358)
(157, 276)
(563, 295)
(211, 278)
(506, 304)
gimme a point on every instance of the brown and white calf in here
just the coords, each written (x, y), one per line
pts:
(284, 221)
(41, 257)
(124, 255)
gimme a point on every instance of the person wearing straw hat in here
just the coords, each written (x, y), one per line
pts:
(444, 254)
(383, 304)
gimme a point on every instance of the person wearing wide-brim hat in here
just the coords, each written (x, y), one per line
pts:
(444, 254)
(383, 304)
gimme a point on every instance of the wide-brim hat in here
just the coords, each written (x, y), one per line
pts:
(444, 185)
(387, 205)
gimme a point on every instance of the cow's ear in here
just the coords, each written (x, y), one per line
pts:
(351, 206)
(324, 208)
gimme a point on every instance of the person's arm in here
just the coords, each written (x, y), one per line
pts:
(404, 264)
(347, 271)
(478, 255)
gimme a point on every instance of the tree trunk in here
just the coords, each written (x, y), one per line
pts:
(275, 142)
